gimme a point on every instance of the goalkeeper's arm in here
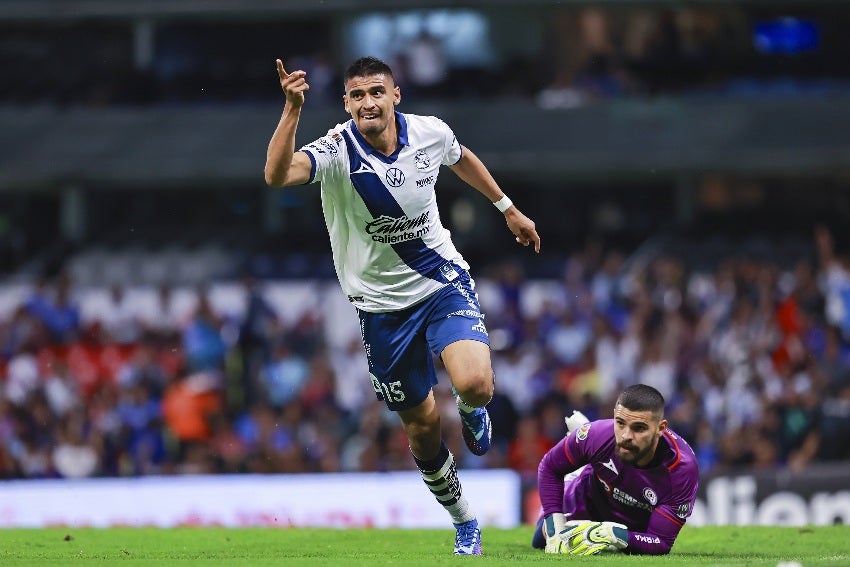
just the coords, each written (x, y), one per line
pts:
(660, 535)
(550, 481)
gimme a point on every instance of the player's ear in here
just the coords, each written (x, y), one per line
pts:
(396, 95)
(345, 103)
(662, 425)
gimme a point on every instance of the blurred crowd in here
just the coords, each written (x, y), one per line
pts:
(558, 56)
(752, 355)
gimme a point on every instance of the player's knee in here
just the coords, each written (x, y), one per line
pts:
(478, 390)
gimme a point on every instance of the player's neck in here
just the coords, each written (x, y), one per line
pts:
(385, 147)
(387, 141)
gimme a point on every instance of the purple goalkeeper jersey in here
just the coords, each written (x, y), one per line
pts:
(652, 501)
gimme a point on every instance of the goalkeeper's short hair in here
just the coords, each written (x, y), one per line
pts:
(640, 397)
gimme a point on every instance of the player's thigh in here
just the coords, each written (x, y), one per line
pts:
(468, 363)
(400, 362)
(456, 333)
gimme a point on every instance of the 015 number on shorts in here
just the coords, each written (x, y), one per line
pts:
(391, 391)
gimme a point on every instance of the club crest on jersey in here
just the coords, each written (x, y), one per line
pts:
(650, 496)
(683, 509)
(422, 161)
(395, 177)
(582, 432)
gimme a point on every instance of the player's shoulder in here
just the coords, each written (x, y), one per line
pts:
(336, 133)
(332, 143)
(598, 430)
(681, 459)
(425, 123)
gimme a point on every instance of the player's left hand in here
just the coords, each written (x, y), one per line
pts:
(589, 537)
(522, 227)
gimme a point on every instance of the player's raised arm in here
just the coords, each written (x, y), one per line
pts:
(283, 165)
(473, 171)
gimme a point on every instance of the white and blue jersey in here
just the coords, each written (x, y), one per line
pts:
(390, 248)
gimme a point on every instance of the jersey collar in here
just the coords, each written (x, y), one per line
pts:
(401, 124)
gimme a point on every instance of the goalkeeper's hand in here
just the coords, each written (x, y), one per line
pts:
(574, 421)
(554, 526)
(587, 537)
(556, 530)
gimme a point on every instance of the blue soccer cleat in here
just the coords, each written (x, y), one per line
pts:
(468, 538)
(477, 430)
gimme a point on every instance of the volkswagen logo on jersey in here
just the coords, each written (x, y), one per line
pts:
(395, 177)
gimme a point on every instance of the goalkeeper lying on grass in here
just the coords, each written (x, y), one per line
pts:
(631, 482)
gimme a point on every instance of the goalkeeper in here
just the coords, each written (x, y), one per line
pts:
(632, 482)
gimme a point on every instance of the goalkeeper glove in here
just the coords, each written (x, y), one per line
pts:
(554, 525)
(555, 528)
(576, 420)
(589, 537)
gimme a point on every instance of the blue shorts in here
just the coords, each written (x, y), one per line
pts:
(399, 344)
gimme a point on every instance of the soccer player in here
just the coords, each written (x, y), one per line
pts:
(397, 264)
(633, 485)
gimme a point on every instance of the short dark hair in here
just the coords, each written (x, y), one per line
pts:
(641, 397)
(366, 67)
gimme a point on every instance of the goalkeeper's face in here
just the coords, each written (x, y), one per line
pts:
(637, 434)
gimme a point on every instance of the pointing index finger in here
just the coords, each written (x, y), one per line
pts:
(280, 70)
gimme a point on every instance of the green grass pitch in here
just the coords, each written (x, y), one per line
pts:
(706, 546)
